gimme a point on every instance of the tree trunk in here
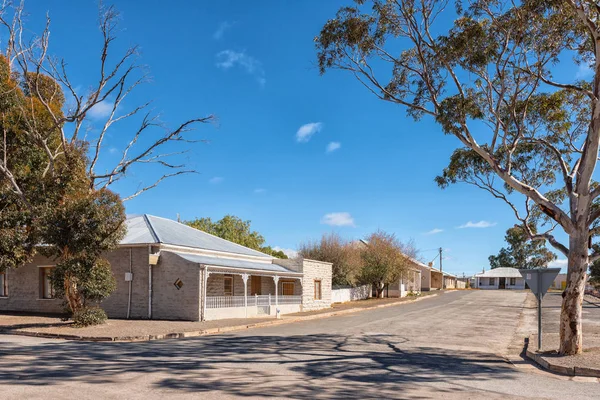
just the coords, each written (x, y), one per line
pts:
(571, 338)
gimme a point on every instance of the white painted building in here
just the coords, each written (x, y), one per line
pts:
(499, 278)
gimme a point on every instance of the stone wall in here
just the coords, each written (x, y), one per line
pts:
(315, 270)
(24, 290)
(120, 260)
(168, 302)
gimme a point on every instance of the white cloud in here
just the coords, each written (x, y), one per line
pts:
(223, 26)
(338, 219)
(260, 190)
(216, 179)
(584, 71)
(306, 131)
(434, 231)
(480, 224)
(291, 253)
(101, 110)
(333, 146)
(228, 59)
(560, 263)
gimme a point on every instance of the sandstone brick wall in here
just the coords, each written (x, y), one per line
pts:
(315, 270)
(116, 304)
(24, 290)
(168, 302)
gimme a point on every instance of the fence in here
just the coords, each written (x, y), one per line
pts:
(344, 294)
(253, 301)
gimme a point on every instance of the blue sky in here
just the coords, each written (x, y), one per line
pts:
(296, 153)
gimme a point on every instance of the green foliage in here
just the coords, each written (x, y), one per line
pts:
(384, 259)
(521, 252)
(235, 230)
(49, 204)
(88, 316)
(595, 274)
(333, 248)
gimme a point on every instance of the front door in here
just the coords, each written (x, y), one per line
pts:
(255, 285)
(502, 283)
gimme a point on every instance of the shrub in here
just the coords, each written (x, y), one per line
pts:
(88, 316)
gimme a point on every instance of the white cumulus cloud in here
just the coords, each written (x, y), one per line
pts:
(223, 27)
(338, 219)
(291, 253)
(333, 146)
(306, 131)
(101, 110)
(434, 231)
(216, 179)
(479, 224)
(560, 263)
(228, 59)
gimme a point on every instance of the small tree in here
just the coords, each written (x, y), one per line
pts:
(384, 259)
(332, 248)
(235, 230)
(521, 252)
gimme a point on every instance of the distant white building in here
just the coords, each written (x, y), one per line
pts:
(499, 278)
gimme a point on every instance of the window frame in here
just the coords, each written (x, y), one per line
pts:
(318, 295)
(513, 282)
(225, 279)
(492, 281)
(46, 283)
(4, 285)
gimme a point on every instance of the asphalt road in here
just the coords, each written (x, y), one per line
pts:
(456, 345)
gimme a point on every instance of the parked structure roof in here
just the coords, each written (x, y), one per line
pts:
(149, 229)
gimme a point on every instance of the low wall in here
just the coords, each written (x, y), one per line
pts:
(342, 295)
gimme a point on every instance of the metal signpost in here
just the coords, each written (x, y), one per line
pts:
(539, 281)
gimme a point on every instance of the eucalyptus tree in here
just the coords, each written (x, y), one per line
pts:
(501, 78)
(521, 252)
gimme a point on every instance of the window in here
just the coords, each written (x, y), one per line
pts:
(228, 285)
(513, 281)
(3, 285)
(287, 288)
(492, 281)
(318, 290)
(46, 288)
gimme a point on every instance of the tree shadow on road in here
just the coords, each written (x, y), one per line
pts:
(301, 366)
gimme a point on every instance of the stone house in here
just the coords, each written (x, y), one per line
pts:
(168, 270)
(499, 278)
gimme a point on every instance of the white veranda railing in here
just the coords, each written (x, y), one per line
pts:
(253, 301)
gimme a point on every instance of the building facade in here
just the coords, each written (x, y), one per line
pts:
(499, 278)
(167, 270)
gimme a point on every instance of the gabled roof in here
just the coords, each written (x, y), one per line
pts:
(500, 273)
(149, 229)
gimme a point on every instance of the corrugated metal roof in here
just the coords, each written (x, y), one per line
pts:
(500, 273)
(233, 263)
(149, 229)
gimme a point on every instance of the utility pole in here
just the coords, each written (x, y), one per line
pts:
(443, 280)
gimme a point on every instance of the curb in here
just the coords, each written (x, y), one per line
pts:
(559, 369)
(205, 332)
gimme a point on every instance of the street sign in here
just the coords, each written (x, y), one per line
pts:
(539, 281)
